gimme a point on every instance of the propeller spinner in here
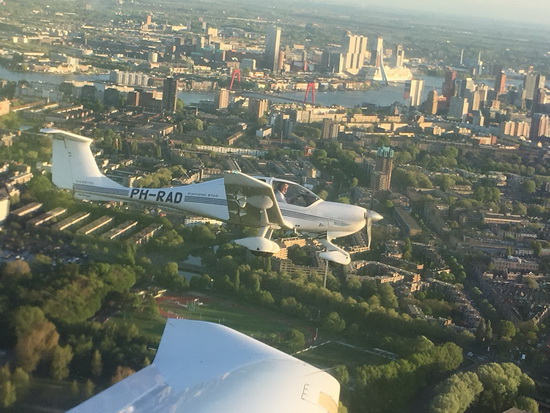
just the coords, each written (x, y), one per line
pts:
(371, 216)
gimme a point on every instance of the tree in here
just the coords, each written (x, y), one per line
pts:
(20, 379)
(333, 323)
(59, 368)
(16, 269)
(341, 374)
(387, 296)
(294, 340)
(529, 187)
(198, 124)
(8, 396)
(506, 329)
(456, 393)
(96, 364)
(121, 373)
(89, 387)
(527, 404)
(36, 337)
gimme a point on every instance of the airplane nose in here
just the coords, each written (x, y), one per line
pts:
(373, 216)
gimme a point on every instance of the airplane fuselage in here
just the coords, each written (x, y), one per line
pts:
(209, 199)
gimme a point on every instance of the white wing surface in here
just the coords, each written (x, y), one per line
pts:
(203, 367)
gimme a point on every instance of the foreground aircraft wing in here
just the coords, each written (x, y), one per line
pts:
(203, 367)
(251, 202)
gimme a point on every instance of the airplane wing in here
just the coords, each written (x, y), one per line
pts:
(252, 202)
(203, 367)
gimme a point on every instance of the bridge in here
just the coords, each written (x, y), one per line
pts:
(236, 75)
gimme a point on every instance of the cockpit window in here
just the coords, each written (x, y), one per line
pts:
(290, 193)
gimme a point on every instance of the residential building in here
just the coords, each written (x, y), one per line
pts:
(381, 176)
(222, 99)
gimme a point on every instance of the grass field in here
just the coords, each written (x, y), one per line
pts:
(256, 322)
(148, 325)
(334, 353)
(57, 395)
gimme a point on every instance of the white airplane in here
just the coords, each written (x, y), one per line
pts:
(236, 198)
(203, 367)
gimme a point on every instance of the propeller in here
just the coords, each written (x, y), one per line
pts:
(370, 217)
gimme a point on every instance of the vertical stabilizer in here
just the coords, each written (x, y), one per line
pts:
(73, 161)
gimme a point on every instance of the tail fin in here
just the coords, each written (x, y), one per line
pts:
(73, 162)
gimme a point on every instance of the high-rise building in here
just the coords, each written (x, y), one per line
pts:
(500, 84)
(449, 84)
(258, 107)
(531, 83)
(272, 48)
(330, 129)
(381, 176)
(483, 90)
(539, 126)
(169, 94)
(467, 86)
(413, 91)
(399, 56)
(475, 101)
(354, 52)
(458, 108)
(430, 105)
(222, 100)
(539, 101)
(379, 52)
(514, 128)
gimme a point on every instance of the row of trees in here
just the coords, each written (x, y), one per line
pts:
(490, 388)
(389, 387)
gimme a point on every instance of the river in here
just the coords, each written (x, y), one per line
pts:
(381, 96)
(46, 77)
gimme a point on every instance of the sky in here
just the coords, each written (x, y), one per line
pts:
(534, 11)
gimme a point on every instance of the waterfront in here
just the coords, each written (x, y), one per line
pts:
(381, 96)
(47, 77)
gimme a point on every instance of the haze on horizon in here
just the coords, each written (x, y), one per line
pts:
(530, 11)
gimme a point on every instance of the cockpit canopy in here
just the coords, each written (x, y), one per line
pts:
(295, 194)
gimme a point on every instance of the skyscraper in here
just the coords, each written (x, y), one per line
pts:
(399, 56)
(258, 107)
(539, 101)
(500, 84)
(449, 84)
(272, 48)
(458, 108)
(413, 91)
(539, 126)
(169, 94)
(379, 52)
(222, 100)
(330, 129)
(532, 82)
(381, 176)
(430, 105)
(354, 51)
(475, 101)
